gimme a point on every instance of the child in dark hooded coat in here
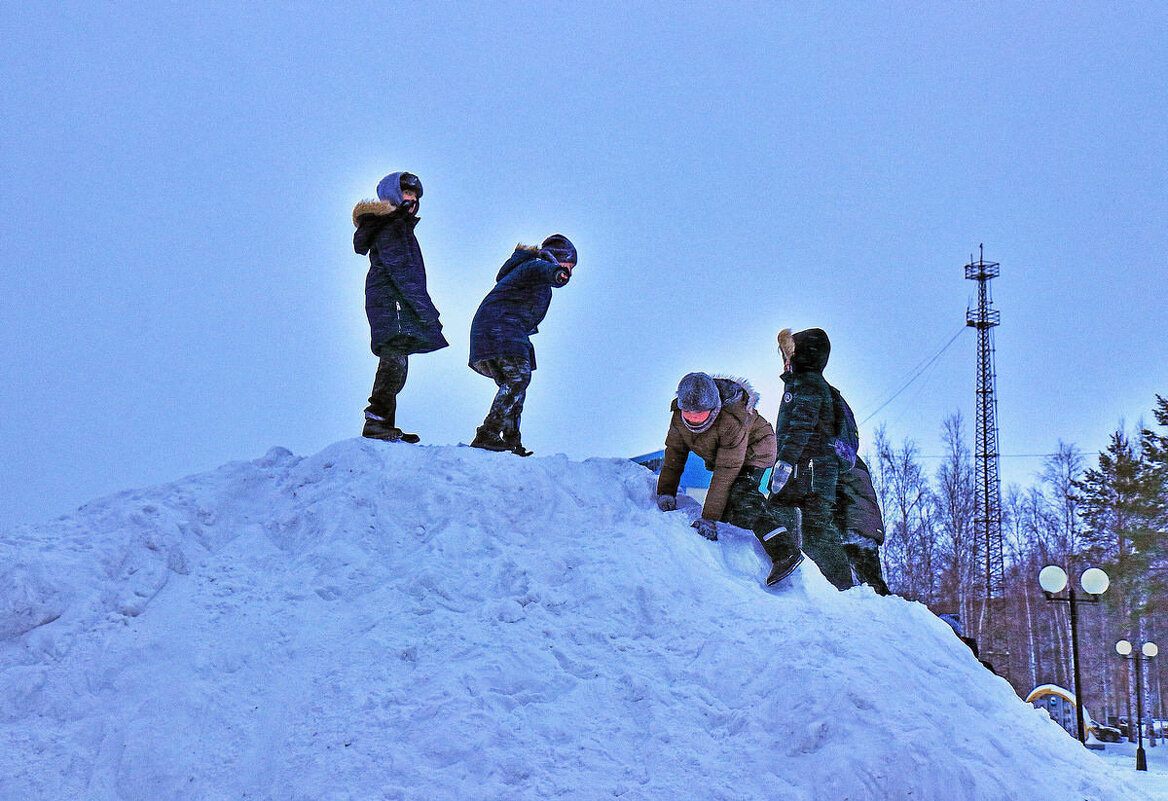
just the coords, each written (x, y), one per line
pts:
(500, 334)
(803, 484)
(402, 318)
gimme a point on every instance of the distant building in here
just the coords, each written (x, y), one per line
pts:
(1059, 703)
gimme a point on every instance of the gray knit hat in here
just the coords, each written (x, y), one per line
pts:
(697, 392)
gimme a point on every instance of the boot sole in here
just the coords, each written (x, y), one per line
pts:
(773, 580)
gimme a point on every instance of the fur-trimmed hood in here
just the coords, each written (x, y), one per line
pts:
(733, 388)
(375, 208)
(806, 350)
(522, 253)
(786, 344)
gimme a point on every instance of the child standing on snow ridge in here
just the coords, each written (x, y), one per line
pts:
(803, 485)
(402, 318)
(500, 335)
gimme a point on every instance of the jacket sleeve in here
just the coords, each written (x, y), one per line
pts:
(802, 423)
(763, 445)
(676, 453)
(535, 272)
(728, 463)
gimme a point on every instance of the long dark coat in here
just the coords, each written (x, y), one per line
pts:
(402, 318)
(857, 506)
(513, 310)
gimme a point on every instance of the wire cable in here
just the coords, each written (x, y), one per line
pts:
(919, 370)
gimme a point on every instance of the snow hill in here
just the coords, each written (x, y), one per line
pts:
(385, 621)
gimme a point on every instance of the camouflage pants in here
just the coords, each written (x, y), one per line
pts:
(390, 378)
(747, 507)
(813, 517)
(511, 374)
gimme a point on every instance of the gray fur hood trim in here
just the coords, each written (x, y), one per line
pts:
(378, 208)
(729, 386)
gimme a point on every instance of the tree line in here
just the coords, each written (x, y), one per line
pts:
(1109, 512)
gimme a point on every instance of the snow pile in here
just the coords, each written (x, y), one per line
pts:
(384, 621)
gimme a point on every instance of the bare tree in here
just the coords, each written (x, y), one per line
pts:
(907, 502)
(956, 508)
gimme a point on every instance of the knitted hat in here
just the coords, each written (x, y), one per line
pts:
(561, 247)
(390, 187)
(697, 392)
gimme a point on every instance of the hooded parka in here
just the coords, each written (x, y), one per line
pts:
(512, 311)
(402, 318)
(804, 432)
(805, 426)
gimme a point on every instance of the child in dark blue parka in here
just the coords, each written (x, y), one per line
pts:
(402, 318)
(500, 334)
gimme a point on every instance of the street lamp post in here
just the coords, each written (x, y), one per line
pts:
(1053, 579)
(1148, 650)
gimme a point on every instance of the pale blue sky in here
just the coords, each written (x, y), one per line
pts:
(179, 290)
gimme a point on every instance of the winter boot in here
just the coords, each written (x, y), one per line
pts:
(782, 547)
(513, 443)
(379, 428)
(488, 440)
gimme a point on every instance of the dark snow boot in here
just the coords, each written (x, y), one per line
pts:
(782, 546)
(377, 428)
(781, 568)
(380, 428)
(514, 444)
(488, 440)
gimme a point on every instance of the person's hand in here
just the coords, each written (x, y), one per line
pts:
(667, 503)
(707, 528)
(780, 476)
(845, 452)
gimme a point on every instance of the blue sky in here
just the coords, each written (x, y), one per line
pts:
(179, 288)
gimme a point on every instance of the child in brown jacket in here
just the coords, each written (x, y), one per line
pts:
(716, 419)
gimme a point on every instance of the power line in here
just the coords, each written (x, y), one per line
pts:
(916, 373)
(1000, 456)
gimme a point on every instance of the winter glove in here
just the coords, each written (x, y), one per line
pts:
(667, 503)
(561, 274)
(781, 474)
(845, 452)
(707, 528)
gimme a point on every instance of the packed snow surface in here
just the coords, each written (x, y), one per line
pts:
(386, 621)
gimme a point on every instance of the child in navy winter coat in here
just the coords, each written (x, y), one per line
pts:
(500, 335)
(402, 318)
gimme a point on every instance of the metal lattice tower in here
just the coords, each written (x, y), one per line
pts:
(989, 490)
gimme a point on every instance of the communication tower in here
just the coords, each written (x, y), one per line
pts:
(988, 523)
